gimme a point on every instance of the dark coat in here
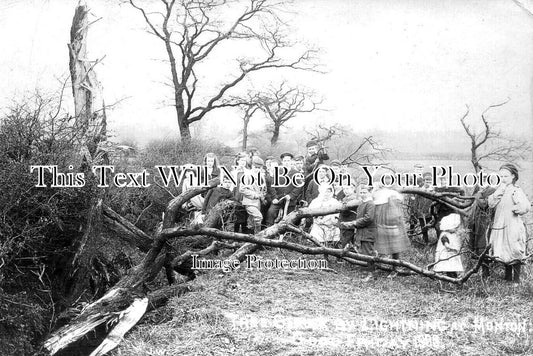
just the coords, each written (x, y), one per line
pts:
(291, 190)
(311, 162)
(347, 215)
(364, 222)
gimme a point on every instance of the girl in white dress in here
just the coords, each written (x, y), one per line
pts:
(508, 233)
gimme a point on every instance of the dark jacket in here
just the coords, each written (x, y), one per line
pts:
(311, 162)
(271, 192)
(364, 222)
(347, 215)
(291, 190)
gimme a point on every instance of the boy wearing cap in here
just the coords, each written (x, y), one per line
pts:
(253, 189)
(315, 157)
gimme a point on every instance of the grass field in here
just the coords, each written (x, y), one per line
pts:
(282, 312)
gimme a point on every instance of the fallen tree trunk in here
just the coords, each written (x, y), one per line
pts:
(120, 297)
(130, 288)
(309, 250)
(125, 229)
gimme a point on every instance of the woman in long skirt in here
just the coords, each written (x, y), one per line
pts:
(391, 230)
(508, 233)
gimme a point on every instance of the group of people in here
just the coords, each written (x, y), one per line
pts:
(495, 219)
(376, 224)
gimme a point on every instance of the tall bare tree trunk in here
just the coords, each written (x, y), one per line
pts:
(87, 265)
(275, 135)
(183, 124)
(245, 133)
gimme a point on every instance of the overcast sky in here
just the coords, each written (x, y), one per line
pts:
(398, 66)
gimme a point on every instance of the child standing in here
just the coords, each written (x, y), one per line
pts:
(325, 228)
(241, 216)
(253, 190)
(366, 230)
(347, 195)
(449, 246)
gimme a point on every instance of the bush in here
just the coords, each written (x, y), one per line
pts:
(36, 224)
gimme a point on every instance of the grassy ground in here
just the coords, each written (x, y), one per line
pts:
(299, 312)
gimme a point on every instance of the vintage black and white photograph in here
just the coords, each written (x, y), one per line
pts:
(266, 177)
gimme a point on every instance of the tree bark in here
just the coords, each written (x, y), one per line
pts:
(92, 128)
(275, 135)
(125, 229)
(245, 133)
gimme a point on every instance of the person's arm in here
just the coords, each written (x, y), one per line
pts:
(367, 216)
(248, 192)
(521, 203)
(295, 192)
(495, 197)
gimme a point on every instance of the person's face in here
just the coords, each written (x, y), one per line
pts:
(242, 162)
(286, 161)
(427, 182)
(506, 176)
(322, 172)
(299, 164)
(363, 192)
(443, 182)
(226, 184)
(311, 150)
(209, 161)
(348, 190)
(268, 163)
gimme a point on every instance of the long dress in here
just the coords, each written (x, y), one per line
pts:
(508, 234)
(391, 231)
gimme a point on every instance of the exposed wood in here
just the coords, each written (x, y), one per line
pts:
(129, 288)
(126, 320)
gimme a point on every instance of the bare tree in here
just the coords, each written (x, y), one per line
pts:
(86, 90)
(280, 104)
(249, 107)
(191, 30)
(491, 144)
